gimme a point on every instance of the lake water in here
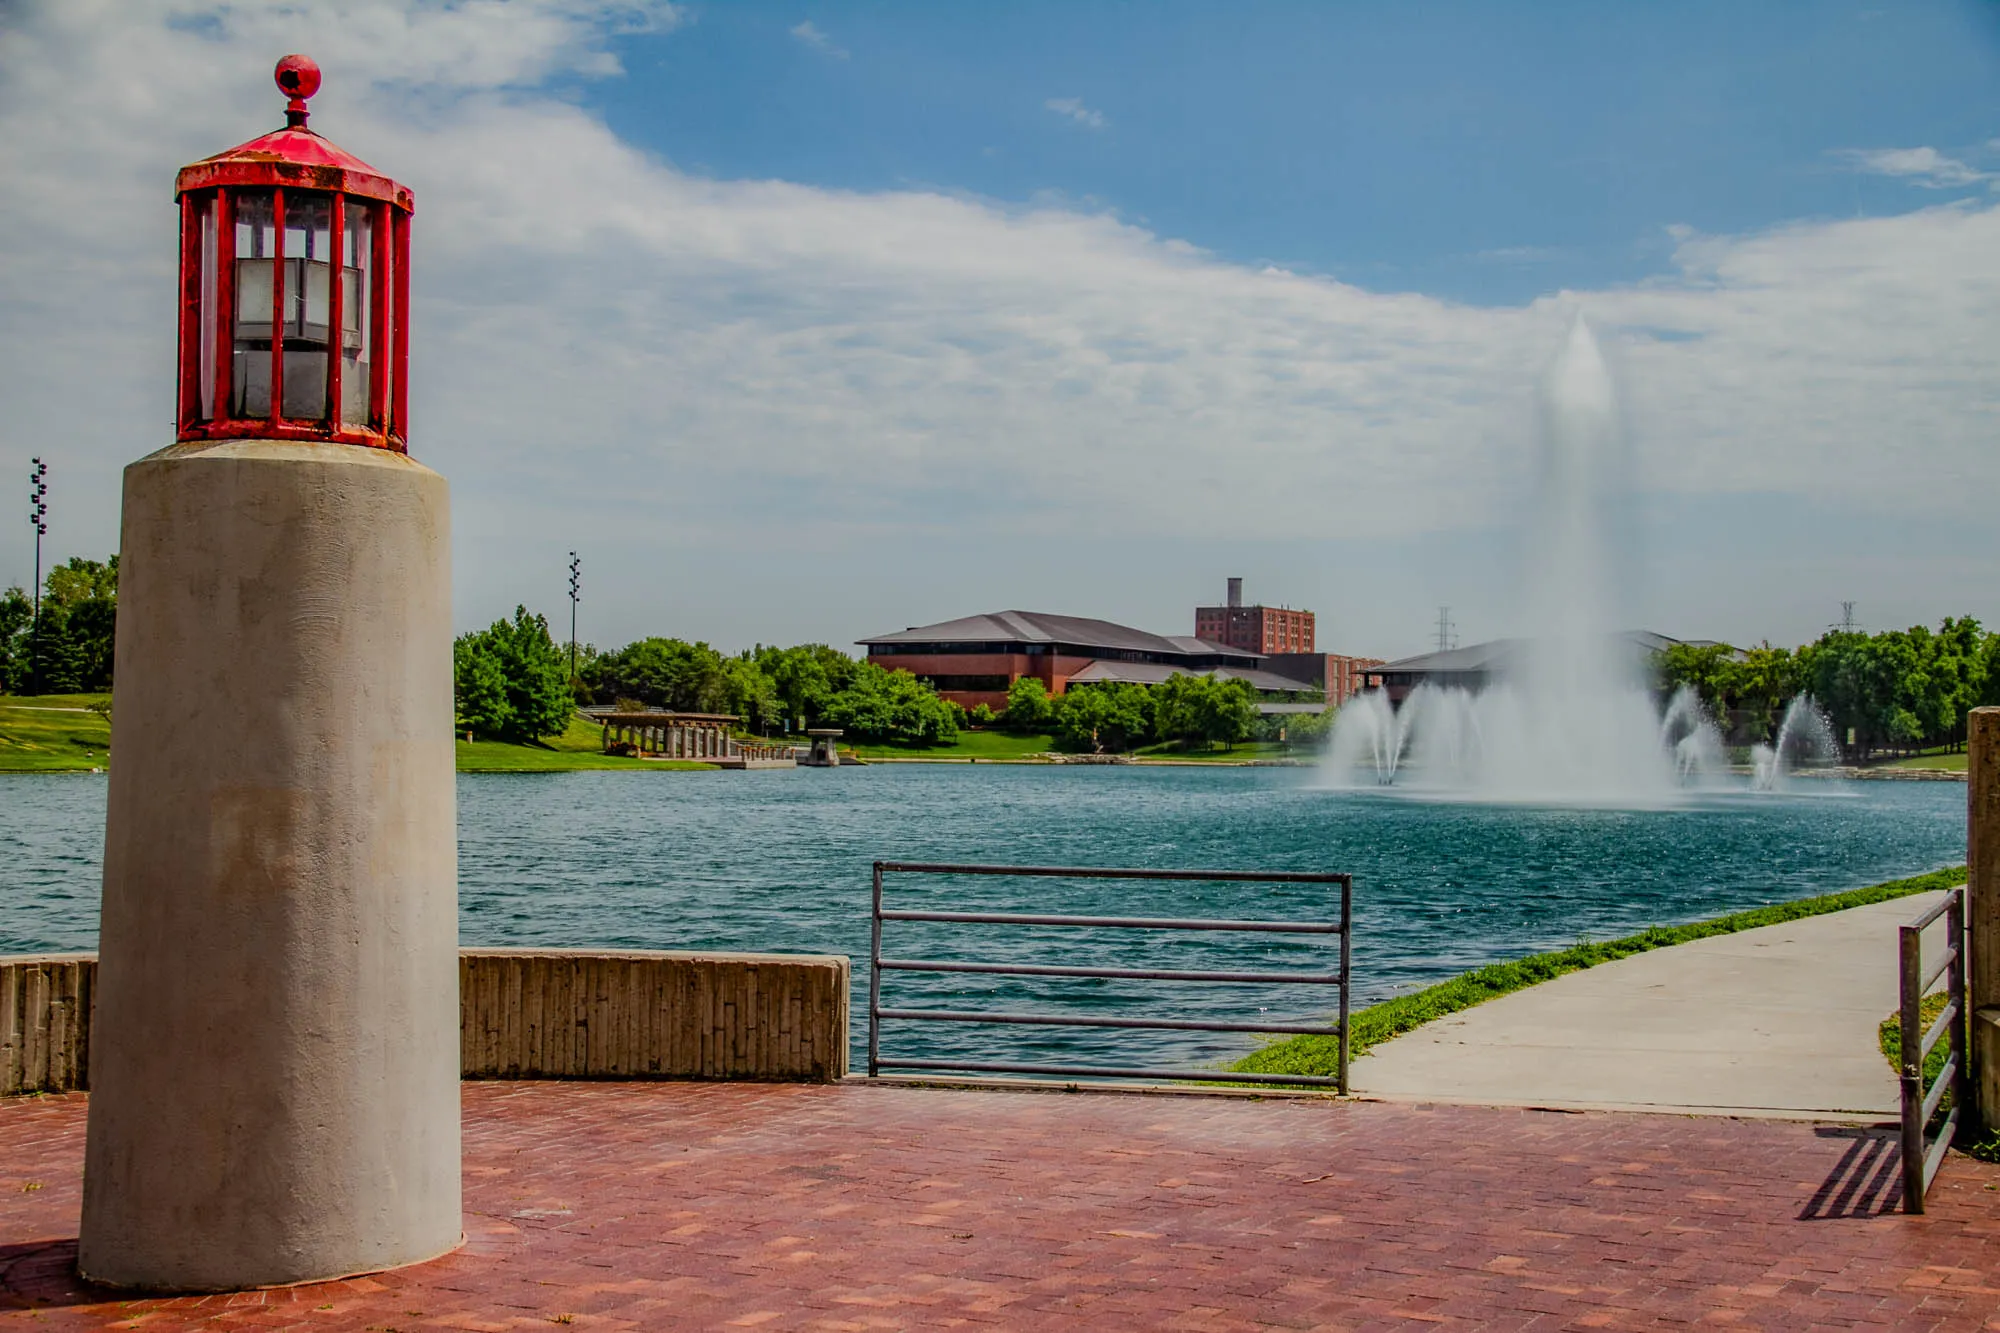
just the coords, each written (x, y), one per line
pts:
(780, 861)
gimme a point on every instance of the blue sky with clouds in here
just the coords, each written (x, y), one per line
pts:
(807, 322)
(1480, 152)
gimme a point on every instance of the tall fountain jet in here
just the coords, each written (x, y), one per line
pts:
(1571, 720)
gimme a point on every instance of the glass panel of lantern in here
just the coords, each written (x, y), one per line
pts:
(308, 306)
(211, 210)
(256, 246)
(357, 257)
(308, 301)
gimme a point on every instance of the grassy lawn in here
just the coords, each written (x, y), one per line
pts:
(969, 745)
(994, 745)
(53, 732)
(1954, 763)
(580, 747)
(1393, 1017)
(57, 732)
(1243, 752)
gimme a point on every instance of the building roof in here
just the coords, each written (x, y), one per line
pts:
(651, 717)
(1496, 654)
(1152, 673)
(1040, 627)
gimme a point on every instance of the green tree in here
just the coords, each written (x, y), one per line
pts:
(1028, 707)
(1226, 712)
(479, 688)
(806, 678)
(71, 647)
(662, 673)
(750, 694)
(1766, 680)
(16, 614)
(1206, 710)
(1102, 719)
(1309, 729)
(530, 670)
(1834, 671)
(1708, 669)
(1961, 670)
(892, 706)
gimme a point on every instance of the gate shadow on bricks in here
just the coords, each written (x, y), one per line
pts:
(1865, 1182)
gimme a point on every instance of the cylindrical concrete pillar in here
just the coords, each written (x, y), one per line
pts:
(274, 1061)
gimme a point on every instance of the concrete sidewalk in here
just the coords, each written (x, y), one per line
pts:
(1778, 1021)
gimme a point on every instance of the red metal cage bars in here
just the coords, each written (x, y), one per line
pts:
(384, 424)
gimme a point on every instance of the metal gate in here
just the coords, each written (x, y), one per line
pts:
(1337, 978)
(1921, 1154)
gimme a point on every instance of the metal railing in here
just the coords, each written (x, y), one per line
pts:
(1921, 1155)
(1338, 978)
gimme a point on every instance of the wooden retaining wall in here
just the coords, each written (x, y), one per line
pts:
(528, 1013)
(45, 1008)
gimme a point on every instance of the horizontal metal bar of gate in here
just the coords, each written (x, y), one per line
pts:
(1069, 1021)
(879, 964)
(1121, 872)
(1124, 973)
(1133, 922)
(1119, 1071)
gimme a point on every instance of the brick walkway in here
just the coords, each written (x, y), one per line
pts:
(691, 1206)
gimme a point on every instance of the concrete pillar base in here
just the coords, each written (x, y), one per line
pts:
(274, 1071)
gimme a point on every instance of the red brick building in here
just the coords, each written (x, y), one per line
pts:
(1254, 629)
(1340, 677)
(973, 660)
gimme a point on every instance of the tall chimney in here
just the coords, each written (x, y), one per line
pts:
(1235, 593)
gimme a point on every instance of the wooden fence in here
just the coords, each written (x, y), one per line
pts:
(529, 1013)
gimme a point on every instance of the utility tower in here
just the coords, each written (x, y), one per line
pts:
(1847, 617)
(1447, 632)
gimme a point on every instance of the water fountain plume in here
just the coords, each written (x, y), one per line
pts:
(1567, 716)
(1690, 736)
(1368, 739)
(1805, 738)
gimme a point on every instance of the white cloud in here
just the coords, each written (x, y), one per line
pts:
(1920, 166)
(818, 40)
(1075, 110)
(607, 345)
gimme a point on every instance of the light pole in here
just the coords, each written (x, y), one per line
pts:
(38, 514)
(575, 595)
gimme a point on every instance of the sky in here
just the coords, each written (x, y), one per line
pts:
(807, 322)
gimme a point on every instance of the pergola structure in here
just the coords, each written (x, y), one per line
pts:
(703, 736)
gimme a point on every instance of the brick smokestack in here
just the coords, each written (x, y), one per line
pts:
(1235, 593)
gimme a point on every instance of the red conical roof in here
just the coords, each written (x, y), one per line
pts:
(294, 157)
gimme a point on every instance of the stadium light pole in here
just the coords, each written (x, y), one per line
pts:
(575, 594)
(38, 514)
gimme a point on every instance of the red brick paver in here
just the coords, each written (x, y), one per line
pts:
(714, 1206)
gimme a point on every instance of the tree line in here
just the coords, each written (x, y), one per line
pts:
(69, 647)
(1186, 710)
(1896, 690)
(513, 683)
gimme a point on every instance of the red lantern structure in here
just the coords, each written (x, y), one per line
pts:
(295, 289)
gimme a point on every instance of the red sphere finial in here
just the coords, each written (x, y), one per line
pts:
(298, 78)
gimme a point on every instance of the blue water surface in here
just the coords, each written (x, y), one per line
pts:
(780, 860)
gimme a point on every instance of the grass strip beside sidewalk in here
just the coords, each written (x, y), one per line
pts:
(1403, 1013)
